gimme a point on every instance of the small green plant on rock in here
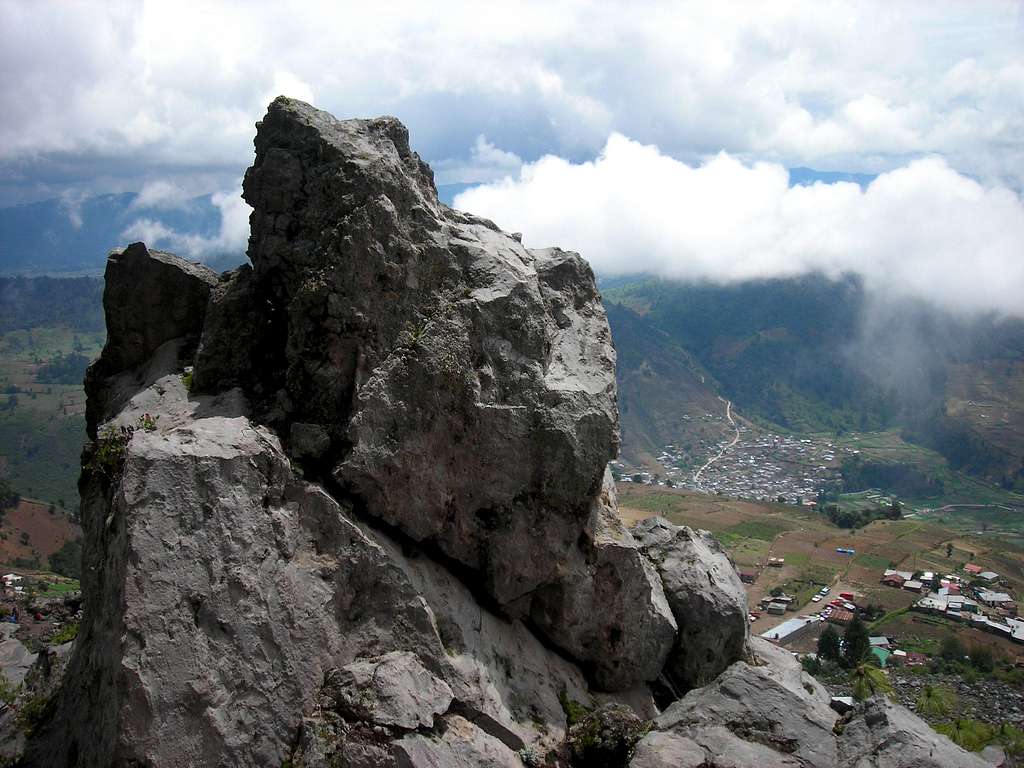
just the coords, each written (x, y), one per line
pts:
(147, 422)
(33, 712)
(935, 700)
(109, 449)
(66, 633)
(606, 737)
(869, 680)
(574, 711)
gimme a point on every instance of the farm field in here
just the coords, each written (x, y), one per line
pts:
(966, 503)
(34, 530)
(753, 531)
(42, 423)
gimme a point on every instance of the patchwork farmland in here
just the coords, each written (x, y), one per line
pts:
(807, 542)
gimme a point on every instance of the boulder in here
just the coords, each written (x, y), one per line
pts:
(763, 712)
(610, 609)
(224, 596)
(439, 376)
(705, 595)
(767, 713)
(885, 735)
(149, 299)
(460, 745)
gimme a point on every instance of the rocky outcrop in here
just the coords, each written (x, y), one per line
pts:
(768, 713)
(885, 734)
(706, 597)
(149, 298)
(449, 382)
(373, 525)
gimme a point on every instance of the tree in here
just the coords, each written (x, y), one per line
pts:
(981, 658)
(828, 644)
(949, 549)
(775, 591)
(952, 649)
(856, 644)
(67, 561)
(868, 681)
(811, 665)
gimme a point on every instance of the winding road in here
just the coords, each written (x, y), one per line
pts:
(721, 452)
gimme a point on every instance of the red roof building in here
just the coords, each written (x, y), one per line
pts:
(893, 580)
(973, 569)
(841, 616)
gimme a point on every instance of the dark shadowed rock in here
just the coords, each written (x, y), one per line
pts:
(706, 597)
(606, 737)
(610, 606)
(150, 298)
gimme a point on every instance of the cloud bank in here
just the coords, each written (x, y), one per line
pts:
(231, 239)
(94, 92)
(922, 230)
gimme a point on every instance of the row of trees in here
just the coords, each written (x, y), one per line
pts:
(848, 518)
(848, 652)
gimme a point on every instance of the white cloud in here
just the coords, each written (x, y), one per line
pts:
(232, 237)
(850, 86)
(920, 230)
(161, 195)
(486, 163)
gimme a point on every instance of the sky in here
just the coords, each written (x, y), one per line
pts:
(646, 135)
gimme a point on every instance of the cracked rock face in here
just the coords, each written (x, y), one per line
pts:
(450, 382)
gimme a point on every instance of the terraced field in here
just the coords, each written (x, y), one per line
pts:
(752, 532)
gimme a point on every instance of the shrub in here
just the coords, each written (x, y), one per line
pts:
(66, 634)
(868, 680)
(606, 737)
(935, 701)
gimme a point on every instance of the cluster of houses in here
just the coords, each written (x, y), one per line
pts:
(841, 610)
(964, 599)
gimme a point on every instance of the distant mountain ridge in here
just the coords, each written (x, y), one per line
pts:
(814, 355)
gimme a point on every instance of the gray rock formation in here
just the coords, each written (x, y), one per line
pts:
(705, 594)
(769, 713)
(446, 380)
(885, 734)
(15, 658)
(378, 530)
(149, 298)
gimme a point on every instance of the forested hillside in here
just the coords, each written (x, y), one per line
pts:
(813, 355)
